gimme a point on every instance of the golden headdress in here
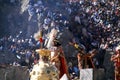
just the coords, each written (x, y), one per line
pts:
(43, 52)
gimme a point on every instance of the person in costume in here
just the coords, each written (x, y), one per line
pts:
(80, 54)
(58, 59)
(116, 59)
(43, 70)
(84, 59)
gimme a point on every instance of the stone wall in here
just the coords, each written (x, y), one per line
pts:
(14, 73)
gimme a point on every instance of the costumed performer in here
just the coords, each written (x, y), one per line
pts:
(58, 59)
(116, 59)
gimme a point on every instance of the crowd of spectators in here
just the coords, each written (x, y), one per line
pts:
(22, 48)
(94, 24)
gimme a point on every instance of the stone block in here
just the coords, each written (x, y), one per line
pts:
(92, 74)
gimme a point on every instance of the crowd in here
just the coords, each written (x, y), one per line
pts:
(94, 23)
(23, 49)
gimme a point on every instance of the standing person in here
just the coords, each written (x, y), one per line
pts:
(81, 52)
(116, 59)
(58, 59)
(84, 59)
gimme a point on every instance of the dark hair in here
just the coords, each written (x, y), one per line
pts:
(56, 43)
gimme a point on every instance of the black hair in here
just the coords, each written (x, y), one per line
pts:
(56, 43)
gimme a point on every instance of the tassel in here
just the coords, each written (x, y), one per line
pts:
(41, 40)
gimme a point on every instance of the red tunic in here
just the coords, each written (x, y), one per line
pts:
(63, 67)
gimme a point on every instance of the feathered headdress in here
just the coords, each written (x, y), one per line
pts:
(52, 36)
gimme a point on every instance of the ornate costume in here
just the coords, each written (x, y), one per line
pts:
(43, 70)
(116, 59)
(84, 60)
(58, 59)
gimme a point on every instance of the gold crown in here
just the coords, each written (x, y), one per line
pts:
(43, 52)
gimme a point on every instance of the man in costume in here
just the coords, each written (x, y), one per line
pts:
(116, 59)
(57, 55)
(84, 59)
(58, 59)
